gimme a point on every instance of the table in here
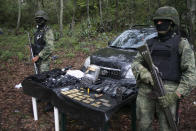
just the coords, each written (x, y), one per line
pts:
(96, 117)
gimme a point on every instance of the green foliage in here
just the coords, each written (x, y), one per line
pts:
(84, 35)
(20, 55)
(88, 32)
(57, 62)
(86, 50)
(6, 55)
(13, 47)
(116, 17)
(8, 10)
(56, 35)
(66, 42)
(70, 55)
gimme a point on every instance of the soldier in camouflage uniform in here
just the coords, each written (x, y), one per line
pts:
(174, 58)
(43, 42)
(43, 46)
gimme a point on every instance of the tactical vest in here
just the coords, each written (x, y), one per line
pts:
(39, 42)
(166, 57)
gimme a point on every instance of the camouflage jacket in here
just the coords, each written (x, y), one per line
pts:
(46, 52)
(187, 65)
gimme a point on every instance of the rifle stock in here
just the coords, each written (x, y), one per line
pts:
(158, 83)
(30, 45)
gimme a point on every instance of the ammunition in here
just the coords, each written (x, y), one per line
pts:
(75, 94)
(96, 105)
(86, 96)
(98, 95)
(98, 102)
(68, 91)
(104, 100)
(64, 92)
(85, 101)
(71, 91)
(75, 90)
(81, 97)
(88, 90)
(90, 99)
(79, 94)
(106, 104)
(76, 98)
(71, 96)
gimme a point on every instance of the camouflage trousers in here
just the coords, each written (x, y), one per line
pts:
(43, 65)
(147, 108)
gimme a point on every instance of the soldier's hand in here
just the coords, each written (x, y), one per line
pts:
(35, 59)
(168, 99)
(146, 77)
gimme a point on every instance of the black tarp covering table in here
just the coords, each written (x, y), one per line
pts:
(94, 116)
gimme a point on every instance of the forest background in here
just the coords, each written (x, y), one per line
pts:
(80, 28)
(77, 20)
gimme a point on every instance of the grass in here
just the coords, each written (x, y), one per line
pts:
(16, 46)
(70, 55)
(13, 46)
(58, 62)
(85, 50)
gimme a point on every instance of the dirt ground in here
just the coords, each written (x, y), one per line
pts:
(16, 107)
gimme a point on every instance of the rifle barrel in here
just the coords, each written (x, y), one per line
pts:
(30, 45)
(158, 83)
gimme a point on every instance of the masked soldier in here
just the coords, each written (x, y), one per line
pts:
(43, 42)
(43, 46)
(174, 58)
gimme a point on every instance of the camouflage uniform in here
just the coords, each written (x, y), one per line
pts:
(147, 104)
(45, 33)
(44, 63)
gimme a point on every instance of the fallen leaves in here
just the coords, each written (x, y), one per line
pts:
(16, 107)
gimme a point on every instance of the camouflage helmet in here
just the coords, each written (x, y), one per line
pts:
(168, 13)
(42, 14)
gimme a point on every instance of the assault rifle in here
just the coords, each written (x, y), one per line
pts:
(34, 102)
(30, 45)
(158, 83)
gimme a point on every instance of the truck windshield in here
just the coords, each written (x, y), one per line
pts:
(133, 38)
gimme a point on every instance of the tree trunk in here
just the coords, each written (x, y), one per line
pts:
(149, 14)
(39, 4)
(175, 3)
(57, 11)
(117, 3)
(61, 18)
(132, 10)
(107, 3)
(88, 16)
(73, 21)
(191, 5)
(159, 3)
(100, 11)
(19, 16)
(42, 3)
(117, 16)
(107, 6)
(134, 4)
(73, 17)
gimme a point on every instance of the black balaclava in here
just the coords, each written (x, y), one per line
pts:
(40, 22)
(165, 29)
